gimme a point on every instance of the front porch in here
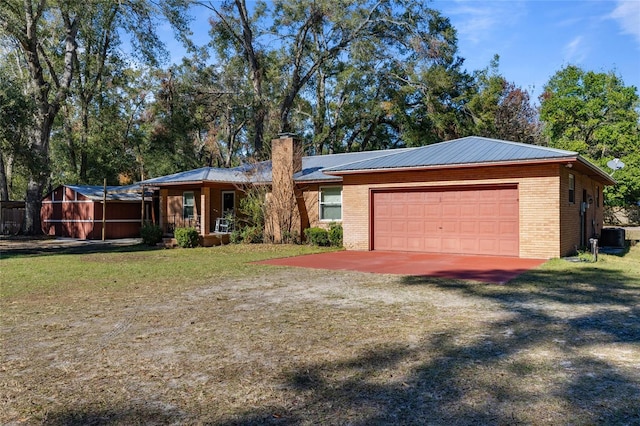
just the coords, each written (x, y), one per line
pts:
(210, 208)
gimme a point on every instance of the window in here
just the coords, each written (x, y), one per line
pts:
(597, 196)
(572, 188)
(331, 203)
(188, 202)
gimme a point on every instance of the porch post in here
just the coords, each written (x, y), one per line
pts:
(205, 214)
(164, 194)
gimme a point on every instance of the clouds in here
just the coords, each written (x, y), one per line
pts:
(483, 19)
(627, 14)
(576, 50)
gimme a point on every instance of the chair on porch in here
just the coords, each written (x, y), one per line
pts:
(223, 226)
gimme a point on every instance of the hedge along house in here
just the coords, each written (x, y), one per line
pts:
(467, 196)
(76, 211)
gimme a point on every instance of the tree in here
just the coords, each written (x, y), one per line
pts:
(500, 109)
(235, 33)
(596, 115)
(15, 116)
(47, 34)
(50, 74)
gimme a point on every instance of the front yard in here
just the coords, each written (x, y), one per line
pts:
(135, 336)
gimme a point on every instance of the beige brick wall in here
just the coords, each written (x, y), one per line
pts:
(539, 201)
(570, 212)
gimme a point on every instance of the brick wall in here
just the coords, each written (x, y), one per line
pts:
(285, 203)
(570, 212)
(539, 201)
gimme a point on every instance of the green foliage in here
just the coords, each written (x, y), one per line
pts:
(187, 237)
(317, 236)
(151, 234)
(252, 206)
(247, 235)
(335, 234)
(252, 234)
(596, 115)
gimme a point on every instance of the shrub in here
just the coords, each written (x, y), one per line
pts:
(292, 237)
(236, 236)
(247, 235)
(335, 234)
(317, 236)
(252, 234)
(187, 237)
(151, 234)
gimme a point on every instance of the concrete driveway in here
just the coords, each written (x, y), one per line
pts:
(490, 269)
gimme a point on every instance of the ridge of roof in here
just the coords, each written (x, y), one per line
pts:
(472, 150)
(506, 142)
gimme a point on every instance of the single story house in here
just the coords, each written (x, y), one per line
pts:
(472, 195)
(76, 211)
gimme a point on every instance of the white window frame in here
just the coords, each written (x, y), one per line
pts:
(572, 188)
(321, 204)
(184, 204)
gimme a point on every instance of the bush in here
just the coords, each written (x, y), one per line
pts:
(187, 237)
(151, 234)
(236, 236)
(247, 235)
(252, 234)
(317, 236)
(335, 234)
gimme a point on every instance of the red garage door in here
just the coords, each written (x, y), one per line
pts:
(474, 220)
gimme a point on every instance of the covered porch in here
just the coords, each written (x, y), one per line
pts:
(209, 207)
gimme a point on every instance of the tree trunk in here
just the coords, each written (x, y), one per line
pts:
(4, 186)
(39, 173)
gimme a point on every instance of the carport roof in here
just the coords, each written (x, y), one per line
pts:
(114, 193)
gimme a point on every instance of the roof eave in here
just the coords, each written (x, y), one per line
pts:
(604, 177)
(454, 166)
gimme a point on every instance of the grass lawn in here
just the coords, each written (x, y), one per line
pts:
(202, 336)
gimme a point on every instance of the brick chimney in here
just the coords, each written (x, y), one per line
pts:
(283, 216)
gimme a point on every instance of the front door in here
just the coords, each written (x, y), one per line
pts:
(228, 203)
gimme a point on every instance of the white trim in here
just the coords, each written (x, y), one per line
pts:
(193, 206)
(70, 202)
(320, 188)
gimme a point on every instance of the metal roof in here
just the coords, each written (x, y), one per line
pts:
(204, 174)
(313, 166)
(469, 150)
(465, 151)
(114, 193)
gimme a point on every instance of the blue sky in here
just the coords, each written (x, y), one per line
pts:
(534, 38)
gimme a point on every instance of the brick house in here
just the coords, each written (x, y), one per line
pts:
(466, 196)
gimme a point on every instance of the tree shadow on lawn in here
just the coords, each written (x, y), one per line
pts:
(542, 364)
(126, 415)
(85, 248)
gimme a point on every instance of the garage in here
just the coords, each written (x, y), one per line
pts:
(460, 220)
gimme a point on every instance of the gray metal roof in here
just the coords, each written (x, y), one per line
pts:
(469, 150)
(205, 174)
(114, 193)
(313, 166)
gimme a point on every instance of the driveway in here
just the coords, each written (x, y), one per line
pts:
(489, 269)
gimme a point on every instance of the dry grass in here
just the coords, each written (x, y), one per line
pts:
(250, 344)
